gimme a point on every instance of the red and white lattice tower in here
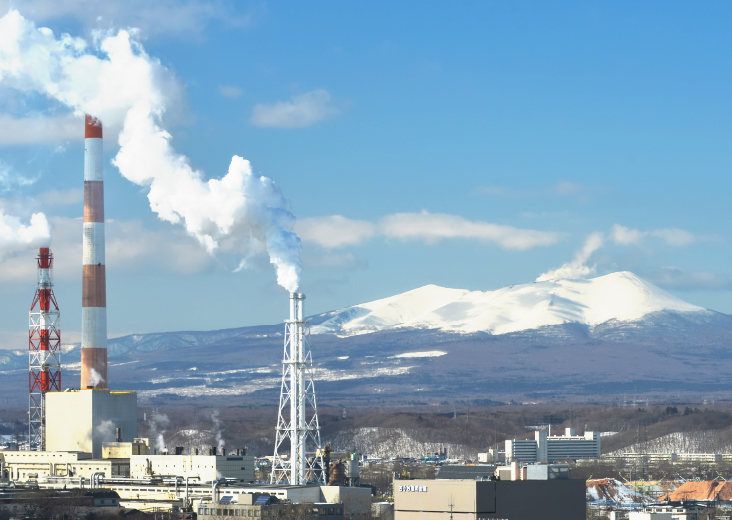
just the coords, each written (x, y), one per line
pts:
(44, 342)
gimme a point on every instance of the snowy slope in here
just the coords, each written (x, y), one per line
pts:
(620, 296)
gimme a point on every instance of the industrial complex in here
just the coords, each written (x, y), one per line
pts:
(84, 449)
(86, 438)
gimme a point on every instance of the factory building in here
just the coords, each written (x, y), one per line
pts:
(34, 465)
(207, 468)
(558, 499)
(83, 420)
(548, 448)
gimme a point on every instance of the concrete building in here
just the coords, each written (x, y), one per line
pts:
(258, 506)
(469, 499)
(125, 450)
(34, 465)
(547, 448)
(492, 455)
(83, 420)
(206, 467)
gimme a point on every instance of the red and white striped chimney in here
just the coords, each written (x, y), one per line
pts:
(94, 285)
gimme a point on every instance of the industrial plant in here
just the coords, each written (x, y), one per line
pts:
(86, 438)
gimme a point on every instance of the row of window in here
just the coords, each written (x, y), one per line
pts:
(255, 513)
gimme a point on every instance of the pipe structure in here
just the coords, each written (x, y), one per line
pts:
(94, 285)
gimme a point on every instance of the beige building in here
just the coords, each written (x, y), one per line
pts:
(125, 450)
(34, 465)
(206, 467)
(83, 420)
(471, 499)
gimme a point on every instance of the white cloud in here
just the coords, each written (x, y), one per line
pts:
(17, 237)
(433, 227)
(334, 231)
(130, 247)
(578, 267)
(61, 197)
(39, 129)
(330, 259)
(230, 91)
(560, 189)
(678, 278)
(672, 236)
(10, 180)
(303, 110)
(162, 17)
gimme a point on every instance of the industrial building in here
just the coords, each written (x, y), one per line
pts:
(547, 448)
(559, 499)
(83, 420)
(207, 468)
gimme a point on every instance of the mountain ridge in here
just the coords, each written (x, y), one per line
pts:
(620, 296)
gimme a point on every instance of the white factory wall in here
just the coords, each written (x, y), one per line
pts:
(82, 420)
(207, 467)
(25, 465)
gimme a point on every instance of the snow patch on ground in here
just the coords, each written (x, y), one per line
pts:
(388, 443)
(603, 491)
(705, 441)
(429, 353)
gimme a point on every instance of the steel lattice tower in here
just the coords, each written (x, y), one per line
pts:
(44, 342)
(298, 392)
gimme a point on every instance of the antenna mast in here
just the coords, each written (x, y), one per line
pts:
(44, 342)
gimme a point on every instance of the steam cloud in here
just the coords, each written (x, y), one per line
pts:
(105, 431)
(578, 267)
(94, 378)
(159, 424)
(218, 430)
(120, 84)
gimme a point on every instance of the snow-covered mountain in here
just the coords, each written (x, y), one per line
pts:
(620, 297)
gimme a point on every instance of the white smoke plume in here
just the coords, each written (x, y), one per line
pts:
(105, 431)
(578, 267)
(116, 81)
(94, 378)
(217, 429)
(159, 424)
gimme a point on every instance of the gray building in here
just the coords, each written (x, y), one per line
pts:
(548, 448)
(558, 499)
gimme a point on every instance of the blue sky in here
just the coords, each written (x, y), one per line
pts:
(558, 120)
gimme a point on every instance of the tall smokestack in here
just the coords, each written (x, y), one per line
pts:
(94, 285)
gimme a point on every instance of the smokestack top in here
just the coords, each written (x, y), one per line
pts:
(93, 128)
(297, 296)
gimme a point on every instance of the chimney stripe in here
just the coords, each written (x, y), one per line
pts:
(94, 201)
(94, 287)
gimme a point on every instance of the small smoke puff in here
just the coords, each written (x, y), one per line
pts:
(577, 268)
(159, 424)
(123, 86)
(94, 378)
(218, 430)
(105, 431)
